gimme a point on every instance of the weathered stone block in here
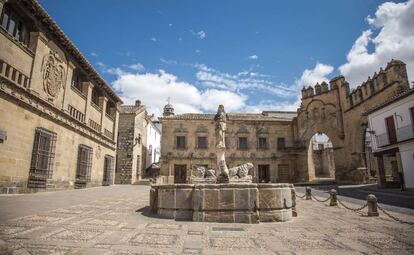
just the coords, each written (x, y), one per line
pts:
(226, 199)
(166, 198)
(184, 199)
(210, 199)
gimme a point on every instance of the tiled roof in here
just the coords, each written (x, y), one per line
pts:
(34, 7)
(265, 116)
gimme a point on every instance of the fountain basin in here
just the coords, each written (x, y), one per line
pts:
(225, 202)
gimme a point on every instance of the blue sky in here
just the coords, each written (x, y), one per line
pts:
(249, 55)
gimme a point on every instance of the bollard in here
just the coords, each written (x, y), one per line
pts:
(293, 194)
(372, 205)
(308, 193)
(334, 201)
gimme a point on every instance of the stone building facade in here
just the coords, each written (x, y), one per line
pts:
(58, 116)
(338, 112)
(266, 139)
(132, 143)
(279, 143)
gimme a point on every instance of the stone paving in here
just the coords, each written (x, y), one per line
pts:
(115, 220)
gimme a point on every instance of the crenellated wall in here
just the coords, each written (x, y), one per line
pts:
(338, 112)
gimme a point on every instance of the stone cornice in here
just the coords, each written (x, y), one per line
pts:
(33, 103)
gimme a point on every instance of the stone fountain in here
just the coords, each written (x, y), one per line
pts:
(223, 195)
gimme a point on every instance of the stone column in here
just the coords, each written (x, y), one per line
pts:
(103, 103)
(87, 86)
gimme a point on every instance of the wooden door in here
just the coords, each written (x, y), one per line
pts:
(284, 176)
(180, 174)
(392, 136)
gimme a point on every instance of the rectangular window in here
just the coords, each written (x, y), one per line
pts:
(83, 173)
(281, 143)
(202, 142)
(11, 26)
(43, 154)
(77, 81)
(108, 169)
(14, 25)
(262, 143)
(243, 143)
(180, 142)
(95, 96)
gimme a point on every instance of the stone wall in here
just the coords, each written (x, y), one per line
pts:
(288, 159)
(241, 202)
(36, 91)
(339, 113)
(131, 144)
(16, 152)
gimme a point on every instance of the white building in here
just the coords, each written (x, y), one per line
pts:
(153, 142)
(391, 126)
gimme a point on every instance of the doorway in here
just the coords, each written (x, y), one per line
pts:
(180, 173)
(264, 173)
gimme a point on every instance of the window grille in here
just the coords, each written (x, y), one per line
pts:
(180, 142)
(83, 173)
(243, 143)
(43, 154)
(202, 142)
(108, 168)
(262, 143)
(281, 143)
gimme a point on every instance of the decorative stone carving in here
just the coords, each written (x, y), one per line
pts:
(210, 173)
(200, 174)
(220, 120)
(241, 173)
(53, 71)
(198, 171)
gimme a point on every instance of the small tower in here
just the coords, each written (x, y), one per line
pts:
(168, 109)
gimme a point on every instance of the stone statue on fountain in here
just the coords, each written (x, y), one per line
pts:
(223, 174)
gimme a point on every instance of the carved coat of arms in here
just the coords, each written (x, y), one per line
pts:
(53, 71)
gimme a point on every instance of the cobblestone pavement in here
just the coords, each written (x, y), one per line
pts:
(115, 220)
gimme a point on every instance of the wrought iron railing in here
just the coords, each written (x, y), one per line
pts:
(405, 133)
(382, 140)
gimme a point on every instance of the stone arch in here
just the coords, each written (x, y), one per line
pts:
(318, 116)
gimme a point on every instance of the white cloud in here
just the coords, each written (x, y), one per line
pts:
(94, 54)
(200, 34)
(245, 80)
(395, 39)
(311, 76)
(197, 51)
(153, 39)
(137, 67)
(268, 105)
(170, 24)
(154, 88)
(253, 57)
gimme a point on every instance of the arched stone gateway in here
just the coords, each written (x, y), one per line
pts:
(339, 113)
